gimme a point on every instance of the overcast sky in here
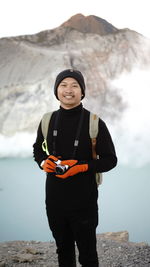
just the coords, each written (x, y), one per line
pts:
(19, 17)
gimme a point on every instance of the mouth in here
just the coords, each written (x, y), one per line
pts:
(68, 96)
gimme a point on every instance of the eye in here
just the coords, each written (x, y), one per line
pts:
(75, 85)
(62, 84)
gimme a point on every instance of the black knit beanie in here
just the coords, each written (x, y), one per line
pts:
(76, 74)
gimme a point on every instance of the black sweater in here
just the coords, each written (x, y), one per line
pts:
(78, 191)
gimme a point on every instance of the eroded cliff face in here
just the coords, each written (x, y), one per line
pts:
(29, 65)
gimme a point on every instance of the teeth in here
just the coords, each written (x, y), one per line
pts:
(68, 96)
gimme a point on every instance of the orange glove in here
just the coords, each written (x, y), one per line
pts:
(49, 164)
(69, 162)
(73, 170)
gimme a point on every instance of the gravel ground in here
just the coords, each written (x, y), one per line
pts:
(42, 254)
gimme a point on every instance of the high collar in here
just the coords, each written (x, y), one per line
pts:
(71, 112)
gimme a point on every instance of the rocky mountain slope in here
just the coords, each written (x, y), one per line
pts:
(29, 65)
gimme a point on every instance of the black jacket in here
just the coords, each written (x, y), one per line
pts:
(79, 191)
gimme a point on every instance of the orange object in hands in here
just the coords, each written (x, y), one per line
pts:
(75, 169)
(69, 162)
(49, 164)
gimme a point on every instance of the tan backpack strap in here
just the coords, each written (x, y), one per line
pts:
(93, 130)
(45, 123)
(94, 121)
(44, 126)
(99, 178)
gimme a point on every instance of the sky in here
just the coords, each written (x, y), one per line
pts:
(19, 17)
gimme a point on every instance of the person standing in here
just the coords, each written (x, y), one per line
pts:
(71, 191)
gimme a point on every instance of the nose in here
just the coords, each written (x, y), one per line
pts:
(68, 89)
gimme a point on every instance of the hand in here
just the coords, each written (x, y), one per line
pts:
(73, 170)
(49, 164)
(63, 166)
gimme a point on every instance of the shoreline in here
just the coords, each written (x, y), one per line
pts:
(114, 250)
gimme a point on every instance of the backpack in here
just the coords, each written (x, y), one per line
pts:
(93, 131)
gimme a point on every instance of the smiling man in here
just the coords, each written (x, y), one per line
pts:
(69, 93)
(71, 188)
(69, 88)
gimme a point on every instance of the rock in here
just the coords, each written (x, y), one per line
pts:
(24, 258)
(90, 24)
(122, 236)
(110, 252)
(27, 255)
(32, 250)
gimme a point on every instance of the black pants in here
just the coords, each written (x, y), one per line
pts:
(79, 227)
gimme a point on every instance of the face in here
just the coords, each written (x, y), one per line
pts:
(69, 93)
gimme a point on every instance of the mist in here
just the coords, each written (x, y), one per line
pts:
(132, 132)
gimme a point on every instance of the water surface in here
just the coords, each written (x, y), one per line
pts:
(123, 201)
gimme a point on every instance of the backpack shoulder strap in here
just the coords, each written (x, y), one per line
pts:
(45, 123)
(93, 131)
(93, 127)
(44, 126)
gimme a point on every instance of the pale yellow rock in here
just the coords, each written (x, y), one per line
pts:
(122, 236)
